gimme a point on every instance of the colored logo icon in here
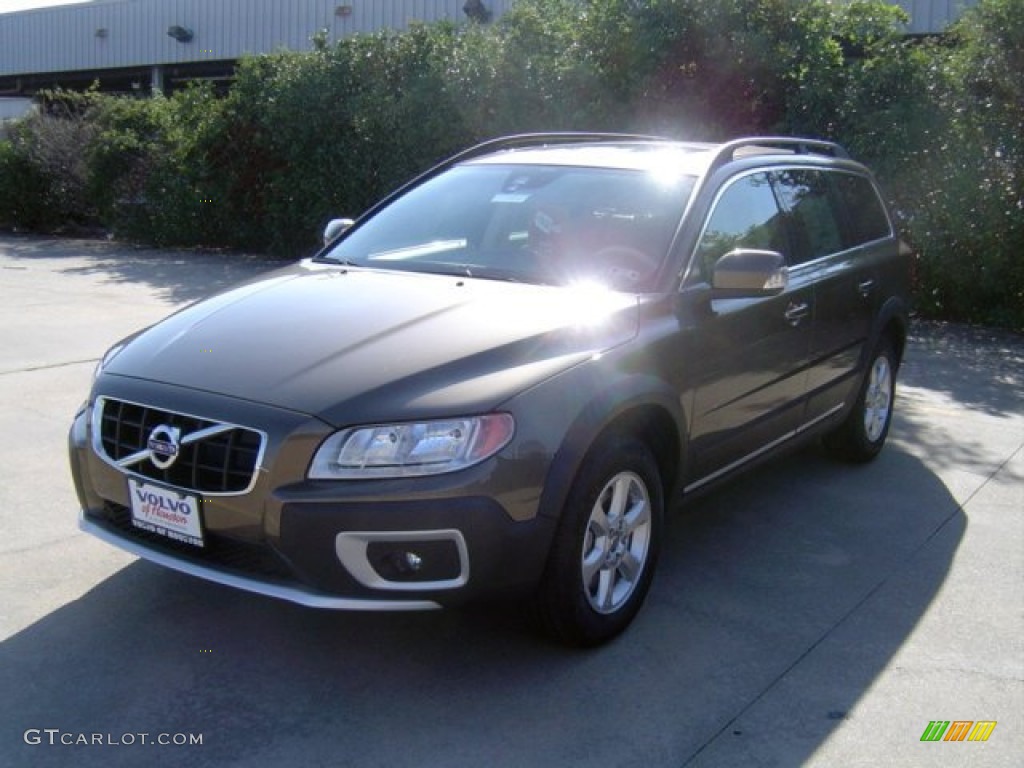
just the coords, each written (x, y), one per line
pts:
(958, 730)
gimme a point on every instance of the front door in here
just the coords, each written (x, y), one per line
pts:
(749, 356)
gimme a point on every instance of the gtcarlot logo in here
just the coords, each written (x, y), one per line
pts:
(56, 737)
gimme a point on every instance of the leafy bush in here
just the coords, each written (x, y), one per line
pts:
(150, 173)
(23, 188)
(45, 176)
(969, 219)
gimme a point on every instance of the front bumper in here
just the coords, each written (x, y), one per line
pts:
(295, 593)
(409, 544)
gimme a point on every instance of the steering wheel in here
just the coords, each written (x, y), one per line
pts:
(622, 264)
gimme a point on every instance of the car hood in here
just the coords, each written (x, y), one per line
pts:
(356, 345)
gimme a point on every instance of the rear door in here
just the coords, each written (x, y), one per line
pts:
(749, 356)
(838, 229)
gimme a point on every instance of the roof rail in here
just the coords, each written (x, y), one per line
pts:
(543, 139)
(727, 152)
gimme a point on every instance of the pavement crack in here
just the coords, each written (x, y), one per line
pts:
(47, 544)
(49, 366)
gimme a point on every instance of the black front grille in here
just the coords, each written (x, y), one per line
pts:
(224, 462)
(249, 558)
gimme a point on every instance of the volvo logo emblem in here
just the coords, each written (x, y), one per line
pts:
(163, 445)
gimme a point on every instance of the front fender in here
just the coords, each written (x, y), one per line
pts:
(639, 402)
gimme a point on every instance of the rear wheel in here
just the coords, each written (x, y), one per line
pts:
(603, 556)
(862, 435)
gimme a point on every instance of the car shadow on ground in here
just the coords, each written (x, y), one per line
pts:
(753, 578)
(179, 276)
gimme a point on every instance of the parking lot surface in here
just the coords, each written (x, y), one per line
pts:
(812, 613)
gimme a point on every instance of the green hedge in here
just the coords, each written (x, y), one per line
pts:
(300, 138)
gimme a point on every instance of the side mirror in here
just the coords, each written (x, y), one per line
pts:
(747, 273)
(334, 229)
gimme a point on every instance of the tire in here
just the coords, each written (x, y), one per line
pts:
(605, 549)
(862, 435)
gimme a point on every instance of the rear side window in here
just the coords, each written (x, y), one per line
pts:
(865, 214)
(745, 216)
(811, 216)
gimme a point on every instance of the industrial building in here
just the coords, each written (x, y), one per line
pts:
(132, 45)
(931, 17)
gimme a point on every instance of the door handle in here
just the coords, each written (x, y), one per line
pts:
(865, 286)
(795, 313)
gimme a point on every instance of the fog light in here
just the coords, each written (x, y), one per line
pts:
(430, 560)
(413, 561)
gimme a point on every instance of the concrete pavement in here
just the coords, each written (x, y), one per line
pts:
(810, 614)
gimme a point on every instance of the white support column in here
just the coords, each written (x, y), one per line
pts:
(157, 79)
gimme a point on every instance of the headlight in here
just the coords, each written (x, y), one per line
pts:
(411, 450)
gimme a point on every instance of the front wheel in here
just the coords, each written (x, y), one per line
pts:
(862, 435)
(603, 556)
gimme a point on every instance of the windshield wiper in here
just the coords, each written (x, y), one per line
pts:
(339, 262)
(493, 273)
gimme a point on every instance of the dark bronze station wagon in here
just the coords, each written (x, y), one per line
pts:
(495, 381)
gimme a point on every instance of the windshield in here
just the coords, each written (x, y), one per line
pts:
(526, 223)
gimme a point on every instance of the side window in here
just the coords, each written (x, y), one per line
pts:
(866, 217)
(745, 216)
(810, 214)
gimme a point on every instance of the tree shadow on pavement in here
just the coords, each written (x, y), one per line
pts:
(978, 368)
(951, 371)
(179, 276)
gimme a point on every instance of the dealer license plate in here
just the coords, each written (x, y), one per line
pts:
(165, 512)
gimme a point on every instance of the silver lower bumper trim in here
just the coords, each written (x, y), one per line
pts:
(291, 594)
